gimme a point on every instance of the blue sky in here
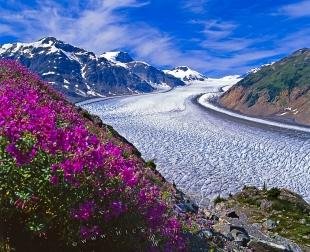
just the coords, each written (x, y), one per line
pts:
(212, 36)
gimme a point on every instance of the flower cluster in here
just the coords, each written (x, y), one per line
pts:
(81, 182)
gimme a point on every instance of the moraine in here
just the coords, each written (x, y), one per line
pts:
(206, 153)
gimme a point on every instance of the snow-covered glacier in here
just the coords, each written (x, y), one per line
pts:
(207, 153)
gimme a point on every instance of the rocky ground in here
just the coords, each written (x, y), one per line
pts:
(257, 220)
(290, 107)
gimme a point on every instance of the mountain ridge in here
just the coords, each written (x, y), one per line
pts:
(279, 91)
(81, 74)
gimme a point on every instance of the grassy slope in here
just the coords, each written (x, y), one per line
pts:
(286, 74)
(280, 91)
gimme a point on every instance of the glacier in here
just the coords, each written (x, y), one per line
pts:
(207, 153)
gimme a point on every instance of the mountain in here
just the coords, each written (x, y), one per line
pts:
(279, 91)
(256, 69)
(79, 74)
(186, 74)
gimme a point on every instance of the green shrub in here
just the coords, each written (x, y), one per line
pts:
(151, 164)
(273, 193)
(219, 199)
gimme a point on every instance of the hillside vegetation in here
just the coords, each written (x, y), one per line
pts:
(66, 184)
(280, 90)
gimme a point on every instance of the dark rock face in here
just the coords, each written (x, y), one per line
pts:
(152, 75)
(183, 68)
(79, 74)
(270, 224)
(123, 57)
(233, 215)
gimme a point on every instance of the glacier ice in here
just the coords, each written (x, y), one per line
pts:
(204, 152)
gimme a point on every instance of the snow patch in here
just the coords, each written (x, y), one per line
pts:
(186, 74)
(111, 56)
(256, 69)
(48, 73)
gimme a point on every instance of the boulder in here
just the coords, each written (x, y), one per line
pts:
(240, 235)
(262, 246)
(265, 204)
(232, 214)
(207, 233)
(180, 208)
(215, 218)
(270, 224)
(207, 213)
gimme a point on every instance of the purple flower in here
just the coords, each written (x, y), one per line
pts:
(35, 119)
(85, 211)
(116, 208)
(54, 180)
(89, 232)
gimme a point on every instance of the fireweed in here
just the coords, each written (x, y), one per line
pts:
(62, 183)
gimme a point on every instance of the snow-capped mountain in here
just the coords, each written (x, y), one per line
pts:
(117, 57)
(256, 69)
(79, 74)
(186, 74)
(156, 78)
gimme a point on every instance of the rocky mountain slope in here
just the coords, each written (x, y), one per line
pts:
(79, 74)
(278, 91)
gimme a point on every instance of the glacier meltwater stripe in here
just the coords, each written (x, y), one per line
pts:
(204, 100)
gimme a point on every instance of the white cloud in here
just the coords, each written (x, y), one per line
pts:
(99, 28)
(215, 29)
(219, 37)
(299, 9)
(5, 29)
(296, 40)
(101, 25)
(196, 6)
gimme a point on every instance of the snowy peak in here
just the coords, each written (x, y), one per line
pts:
(117, 56)
(49, 40)
(186, 74)
(156, 78)
(47, 45)
(78, 73)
